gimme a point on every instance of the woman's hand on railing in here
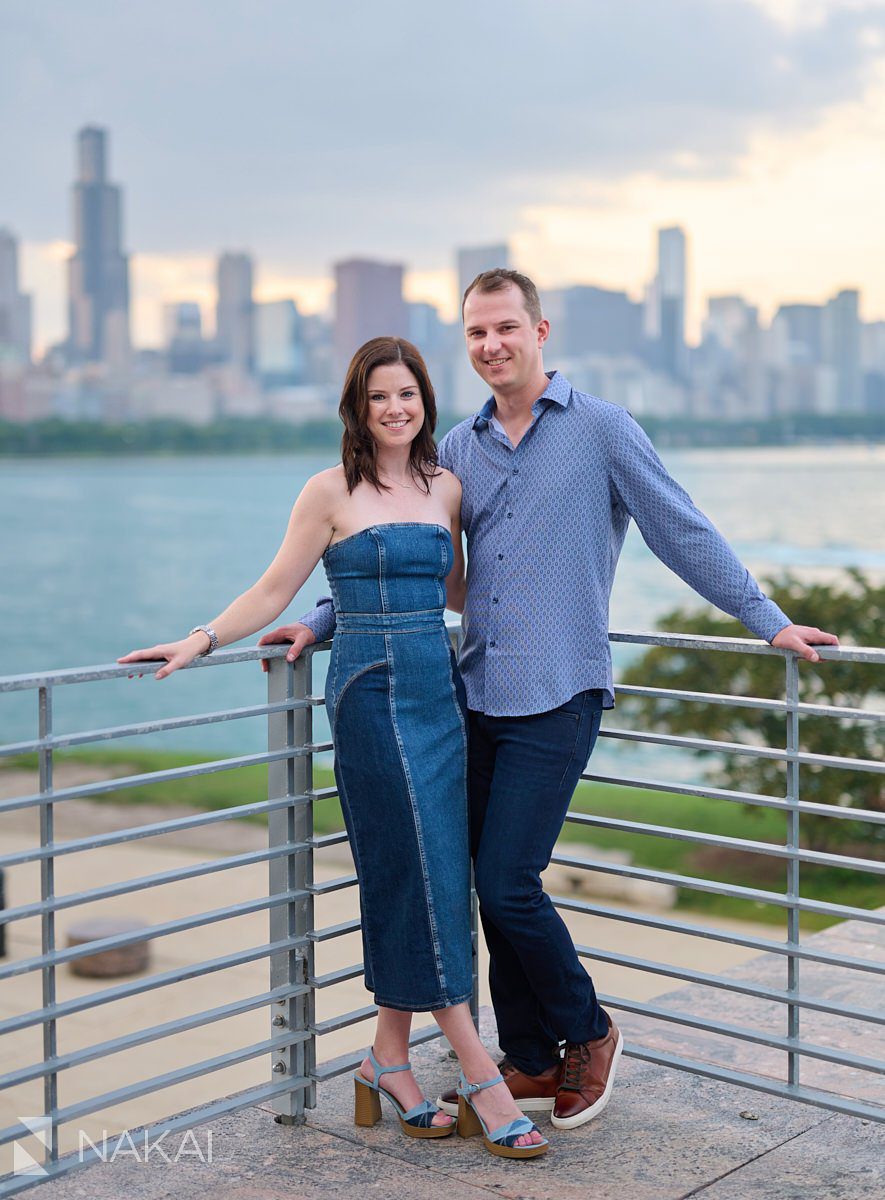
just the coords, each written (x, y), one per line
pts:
(177, 654)
(299, 635)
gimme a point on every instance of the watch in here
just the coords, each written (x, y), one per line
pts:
(210, 634)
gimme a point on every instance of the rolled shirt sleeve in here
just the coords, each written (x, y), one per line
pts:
(321, 619)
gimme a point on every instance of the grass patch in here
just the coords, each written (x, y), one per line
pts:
(244, 785)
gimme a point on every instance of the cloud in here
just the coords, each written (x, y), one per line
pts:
(307, 133)
(396, 129)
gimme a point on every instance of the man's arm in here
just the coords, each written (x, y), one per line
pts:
(316, 626)
(679, 534)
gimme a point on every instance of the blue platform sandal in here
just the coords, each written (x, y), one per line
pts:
(416, 1123)
(500, 1141)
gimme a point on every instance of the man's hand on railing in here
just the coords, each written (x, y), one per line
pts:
(802, 639)
(299, 635)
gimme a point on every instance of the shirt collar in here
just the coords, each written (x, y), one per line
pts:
(558, 390)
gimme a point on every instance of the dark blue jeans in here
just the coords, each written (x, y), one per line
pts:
(522, 774)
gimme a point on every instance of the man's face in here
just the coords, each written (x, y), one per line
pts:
(503, 344)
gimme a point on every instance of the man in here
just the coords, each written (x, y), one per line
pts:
(550, 479)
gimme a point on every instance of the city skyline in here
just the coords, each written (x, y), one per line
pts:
(756, 127)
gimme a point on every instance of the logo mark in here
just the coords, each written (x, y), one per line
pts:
(23, 1162)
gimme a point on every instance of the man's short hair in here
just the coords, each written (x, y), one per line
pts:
(499, 279)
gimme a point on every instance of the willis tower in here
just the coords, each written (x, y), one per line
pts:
(98, 271)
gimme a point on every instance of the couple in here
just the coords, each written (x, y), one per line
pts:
(545, 480)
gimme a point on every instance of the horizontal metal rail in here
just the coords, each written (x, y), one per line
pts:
(756, 702)
(731, 937)
(154, 829)
(803, 807)
(816, 857)
(339, 976)
(335, 931)
(333, 885)
(158, 1082)
(729, 984)
(746, 1033)
(122, 783)
(759, 1083)
(66, 1008)
(160, 879)
(148, 933)
(62, 741)
(780, 899)
(349, 1062)
(69, 675)
(77, 1058)
(708, 745)
(729, 645)
(345, 1020)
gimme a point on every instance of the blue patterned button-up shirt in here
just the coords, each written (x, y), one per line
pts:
(545, 523)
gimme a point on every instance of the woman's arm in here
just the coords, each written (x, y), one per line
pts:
(456, 584)
(307, 535)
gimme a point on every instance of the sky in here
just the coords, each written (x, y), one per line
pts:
(309, 133)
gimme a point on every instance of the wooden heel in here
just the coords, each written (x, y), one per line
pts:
(366, 1104)
(468, 1121)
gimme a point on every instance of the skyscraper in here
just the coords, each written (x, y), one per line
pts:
(670, 294)
(279, 350)
(235, 316)
(368, 303)
(15, 307)
(840, 331)
(591, 320)
(98, 270)
(185, 348)
(473, 260)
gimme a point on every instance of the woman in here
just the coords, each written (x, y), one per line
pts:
(386, 522)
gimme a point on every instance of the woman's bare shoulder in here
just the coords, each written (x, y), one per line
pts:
(450, 483)
(325, 490)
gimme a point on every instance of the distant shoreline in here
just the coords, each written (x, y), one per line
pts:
(229, 436)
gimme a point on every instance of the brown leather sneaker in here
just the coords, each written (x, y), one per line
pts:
(588, 1073)
(533, 1093)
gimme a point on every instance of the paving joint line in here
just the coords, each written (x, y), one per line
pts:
(698, 1191)
(353, 1141)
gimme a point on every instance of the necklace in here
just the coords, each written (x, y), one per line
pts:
(387, 479)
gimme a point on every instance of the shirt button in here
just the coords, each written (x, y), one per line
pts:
(493, 643)
(516, 470)
(510, 514)
(494, 599)
(500, 557)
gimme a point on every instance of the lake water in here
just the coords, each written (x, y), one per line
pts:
(103, 555)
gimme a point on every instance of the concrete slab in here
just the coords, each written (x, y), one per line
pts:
(665, 1136)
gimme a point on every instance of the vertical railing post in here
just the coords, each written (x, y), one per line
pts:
(47, 919)
(792, 797)
(293, 777)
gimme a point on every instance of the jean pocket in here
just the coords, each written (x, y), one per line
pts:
(573, 709)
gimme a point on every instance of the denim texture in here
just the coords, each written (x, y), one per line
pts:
(523, 772)
(397, 711)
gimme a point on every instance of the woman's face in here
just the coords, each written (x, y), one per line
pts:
(396, 408)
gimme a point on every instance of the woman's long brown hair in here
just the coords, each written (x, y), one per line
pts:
(359, 452)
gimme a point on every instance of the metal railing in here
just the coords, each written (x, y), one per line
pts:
(294, 987)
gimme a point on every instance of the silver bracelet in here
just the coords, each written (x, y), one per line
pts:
(210, 634)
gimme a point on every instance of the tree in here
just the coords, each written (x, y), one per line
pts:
(854, 609)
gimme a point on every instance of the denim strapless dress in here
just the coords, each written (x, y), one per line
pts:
(397, 710)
